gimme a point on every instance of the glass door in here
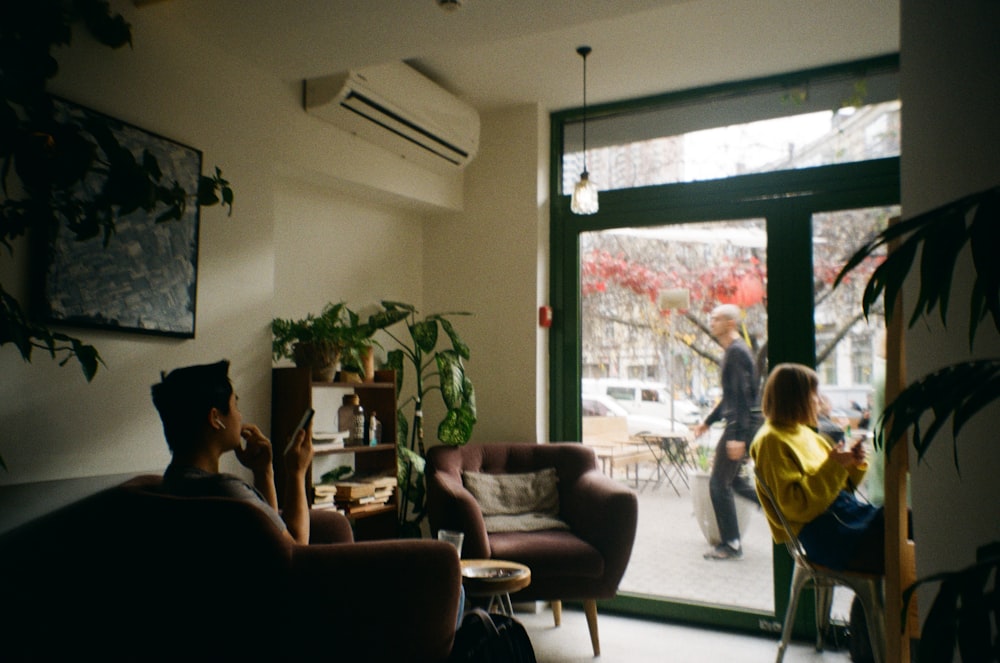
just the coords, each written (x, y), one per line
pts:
(648, 356)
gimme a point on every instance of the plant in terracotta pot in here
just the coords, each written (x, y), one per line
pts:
(320, 342)
(315, 341)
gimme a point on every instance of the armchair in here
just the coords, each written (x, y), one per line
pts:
(585, 562)
(130, 573)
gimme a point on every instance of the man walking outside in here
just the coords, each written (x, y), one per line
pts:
(738, 409)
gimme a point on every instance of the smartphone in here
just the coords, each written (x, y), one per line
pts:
(303, 423)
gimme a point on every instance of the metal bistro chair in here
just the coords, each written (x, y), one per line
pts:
(867, 587)
(670, 453)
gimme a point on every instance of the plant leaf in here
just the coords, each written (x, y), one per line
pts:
(984, 233)
(460, 347)
(937, 637)
(425, 334)
(451, 375)
(961, 390)
(942, 241)
(456, 427)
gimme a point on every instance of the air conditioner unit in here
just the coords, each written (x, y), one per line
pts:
(397, 108)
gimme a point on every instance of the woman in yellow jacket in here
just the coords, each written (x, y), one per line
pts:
(814, 480)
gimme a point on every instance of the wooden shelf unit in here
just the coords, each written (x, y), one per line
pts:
(292, 391)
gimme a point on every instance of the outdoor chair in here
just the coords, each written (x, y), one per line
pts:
(867, 587)
(581, 552)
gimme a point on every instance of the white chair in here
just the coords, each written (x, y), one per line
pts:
(867, 587)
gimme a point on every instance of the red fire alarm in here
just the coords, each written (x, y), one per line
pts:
(545, 316)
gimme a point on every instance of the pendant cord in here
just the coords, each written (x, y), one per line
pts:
(584, 51)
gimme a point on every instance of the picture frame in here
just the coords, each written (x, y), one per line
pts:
(144, 279)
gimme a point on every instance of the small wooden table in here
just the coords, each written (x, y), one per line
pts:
(495, 578)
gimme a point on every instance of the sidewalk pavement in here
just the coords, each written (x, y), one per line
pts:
(667, 559)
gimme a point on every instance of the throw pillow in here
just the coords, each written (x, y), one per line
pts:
(517, 502)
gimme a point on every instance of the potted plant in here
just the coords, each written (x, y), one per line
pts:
(966, 604)
(434, 370)
(317, 342)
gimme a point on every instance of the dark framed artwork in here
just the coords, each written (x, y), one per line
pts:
(145, 279)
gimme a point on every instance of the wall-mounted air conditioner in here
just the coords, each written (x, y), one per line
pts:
(397, 108)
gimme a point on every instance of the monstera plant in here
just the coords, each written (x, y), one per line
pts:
(434, 370)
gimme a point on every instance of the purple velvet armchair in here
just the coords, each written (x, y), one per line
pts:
(585, 562)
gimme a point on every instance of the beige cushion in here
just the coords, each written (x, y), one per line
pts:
(517, 502)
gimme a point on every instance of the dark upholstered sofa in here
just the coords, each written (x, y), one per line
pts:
(132, 574)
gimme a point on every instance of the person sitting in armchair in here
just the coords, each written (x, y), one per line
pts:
(201, 422)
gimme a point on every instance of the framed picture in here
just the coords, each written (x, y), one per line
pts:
(144, 279)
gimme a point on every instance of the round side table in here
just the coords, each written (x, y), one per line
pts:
(495, 578)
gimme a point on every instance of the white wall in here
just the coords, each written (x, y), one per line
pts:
(319, 217)
(950, 66)
(486, 260)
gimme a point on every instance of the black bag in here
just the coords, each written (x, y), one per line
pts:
(486, 637)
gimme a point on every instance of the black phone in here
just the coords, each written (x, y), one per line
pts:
(303, 423)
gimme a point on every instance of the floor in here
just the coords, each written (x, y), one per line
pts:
(631, 640)
(667, 561)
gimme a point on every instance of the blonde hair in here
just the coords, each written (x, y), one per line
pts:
(788, 395)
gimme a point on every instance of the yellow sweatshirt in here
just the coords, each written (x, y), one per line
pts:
(796, 465)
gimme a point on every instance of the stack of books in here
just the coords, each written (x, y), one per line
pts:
(358, 494)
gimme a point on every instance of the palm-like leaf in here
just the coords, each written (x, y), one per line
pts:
(960, 613)
(955, 392)
(961, 390)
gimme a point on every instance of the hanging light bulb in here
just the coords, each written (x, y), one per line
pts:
(585, 192)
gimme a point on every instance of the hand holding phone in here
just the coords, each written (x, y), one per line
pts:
(303, 424)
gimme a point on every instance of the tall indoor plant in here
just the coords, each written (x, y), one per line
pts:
(966, 603)
(434, 370)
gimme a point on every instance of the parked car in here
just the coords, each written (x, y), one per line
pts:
(645, 398)
(600, 405)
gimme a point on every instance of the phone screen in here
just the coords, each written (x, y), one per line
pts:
(306, 418)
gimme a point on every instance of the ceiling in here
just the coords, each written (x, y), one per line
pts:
(496, 53)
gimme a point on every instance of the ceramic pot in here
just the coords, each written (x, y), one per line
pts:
(320, 358)
(704, 512)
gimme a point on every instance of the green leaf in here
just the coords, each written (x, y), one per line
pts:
(424, 334)
(960, 390)
(941, 244)
(394, 361)
(387, 318)
(452, 378)
(456, 343)
(937, 637)
(984, 234)
(456, 427)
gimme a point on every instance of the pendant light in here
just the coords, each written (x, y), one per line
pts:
(585, 193)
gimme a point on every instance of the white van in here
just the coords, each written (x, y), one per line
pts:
(646, 398)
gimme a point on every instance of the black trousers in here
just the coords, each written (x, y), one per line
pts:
(725, 483)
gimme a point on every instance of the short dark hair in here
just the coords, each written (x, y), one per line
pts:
(787, 395)
(185, 395)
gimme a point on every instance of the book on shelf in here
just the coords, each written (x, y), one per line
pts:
(377, 480)
(357, 509)
(349, 490)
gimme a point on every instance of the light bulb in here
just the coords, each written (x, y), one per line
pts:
(584, 196)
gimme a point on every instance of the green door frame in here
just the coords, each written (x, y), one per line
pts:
(787, 200)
